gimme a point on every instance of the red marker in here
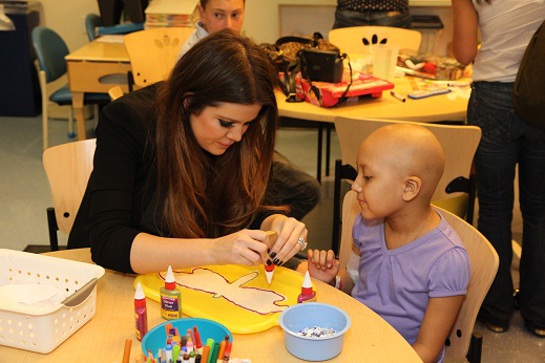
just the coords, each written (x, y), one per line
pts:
(197, 334)
(227, 352)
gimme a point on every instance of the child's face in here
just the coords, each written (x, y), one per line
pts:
(222, 14)
(379, 184)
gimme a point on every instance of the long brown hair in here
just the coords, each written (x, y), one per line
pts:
(207, 196)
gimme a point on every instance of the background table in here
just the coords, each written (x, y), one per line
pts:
(95, 67)
(102, 339)
(91, 67)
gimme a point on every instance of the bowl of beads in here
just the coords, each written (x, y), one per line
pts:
(314, 331)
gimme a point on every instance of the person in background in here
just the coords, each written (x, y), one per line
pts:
(506, 28)
(294, 187)
(181, 168)
(372, 12)
(408, 265)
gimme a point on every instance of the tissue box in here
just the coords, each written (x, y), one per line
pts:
(43, 328)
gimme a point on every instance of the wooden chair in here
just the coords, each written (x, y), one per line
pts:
(68, 167)
(115, 92)
(358, 39)
(153, 53)
(455, 191)
(462, 343)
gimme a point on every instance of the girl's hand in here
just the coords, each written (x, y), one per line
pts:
(322, 265)
(246, 247)
(289, 230)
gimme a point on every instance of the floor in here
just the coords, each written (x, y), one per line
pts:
(25, 196)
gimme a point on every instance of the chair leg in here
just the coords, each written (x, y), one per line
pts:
(71, 133)
(96, 112)
(475, 348)
(336, 207)
(53, 228)
(45, 113)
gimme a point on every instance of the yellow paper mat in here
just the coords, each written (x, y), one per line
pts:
(236, 296)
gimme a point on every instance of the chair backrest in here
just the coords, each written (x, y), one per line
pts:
(92, 21)
(483, 261)
(50, 50)
(459, 144)
(358, 39)
(68, 167)
(153, 52)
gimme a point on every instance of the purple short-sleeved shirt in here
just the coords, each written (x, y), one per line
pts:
(397, 284)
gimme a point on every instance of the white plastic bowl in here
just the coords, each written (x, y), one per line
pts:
(314, 349)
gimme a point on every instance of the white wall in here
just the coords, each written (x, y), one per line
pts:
(67, 17)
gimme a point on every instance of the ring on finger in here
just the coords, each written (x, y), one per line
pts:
(302, 243)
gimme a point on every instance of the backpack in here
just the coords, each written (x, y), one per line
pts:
(529, 88)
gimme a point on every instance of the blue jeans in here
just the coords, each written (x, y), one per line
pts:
(347, 18)
(506, 141)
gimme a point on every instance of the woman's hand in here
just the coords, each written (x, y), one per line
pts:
(322, 265)
(246, 247)
(292, 237)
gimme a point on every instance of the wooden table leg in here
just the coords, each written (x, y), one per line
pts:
(79, 112)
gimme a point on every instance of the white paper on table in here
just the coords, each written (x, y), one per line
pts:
(111, 38)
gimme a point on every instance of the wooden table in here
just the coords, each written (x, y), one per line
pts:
(448, 107)
(102, 339)
(95, 67)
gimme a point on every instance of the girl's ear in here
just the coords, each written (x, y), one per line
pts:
(413, 185)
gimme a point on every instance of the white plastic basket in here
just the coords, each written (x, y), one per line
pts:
(42, 329)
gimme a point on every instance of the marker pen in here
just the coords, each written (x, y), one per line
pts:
(221, 352)
(227, 352)
(140, 312)
(198, 341)
(398, 96)
(205, 354)
(168, 353)
(214, 353)
(171, 298)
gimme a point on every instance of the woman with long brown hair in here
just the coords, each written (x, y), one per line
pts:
(181, 168)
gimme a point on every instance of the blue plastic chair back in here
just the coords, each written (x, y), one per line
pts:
(92, 21)
(50, 50)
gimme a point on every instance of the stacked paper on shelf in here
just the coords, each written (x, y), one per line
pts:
(161, 13)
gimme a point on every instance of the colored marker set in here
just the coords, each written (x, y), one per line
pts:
(188, 348)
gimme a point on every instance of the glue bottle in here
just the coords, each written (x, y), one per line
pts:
(171, 298)
(140, 312)
(307, 294)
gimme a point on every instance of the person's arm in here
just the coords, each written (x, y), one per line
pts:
(436, 325)
(465, 34)
(448, 281)
(151, 253)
